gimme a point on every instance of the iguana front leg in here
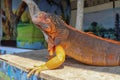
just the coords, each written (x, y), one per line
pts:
(51, 48)
(53, 63)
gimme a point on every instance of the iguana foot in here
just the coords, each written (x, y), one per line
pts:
(36, 70)
(53, 63)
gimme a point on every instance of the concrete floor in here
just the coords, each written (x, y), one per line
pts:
(70, 70)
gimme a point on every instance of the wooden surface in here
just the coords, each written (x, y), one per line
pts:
(70, 70)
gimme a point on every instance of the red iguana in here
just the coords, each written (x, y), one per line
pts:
(65, 40)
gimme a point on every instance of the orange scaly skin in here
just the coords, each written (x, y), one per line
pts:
(84, 47)
(63, 39)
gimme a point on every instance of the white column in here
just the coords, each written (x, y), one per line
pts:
(80, 13)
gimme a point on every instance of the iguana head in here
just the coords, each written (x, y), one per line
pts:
(51, 25)
(44, 22)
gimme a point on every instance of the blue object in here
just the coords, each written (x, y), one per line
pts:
(12, 72)
(34, 45)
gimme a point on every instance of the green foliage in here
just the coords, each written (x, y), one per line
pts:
(99, 30)
(95, 28)
(14, 11)
(29, 33)
(25, 17)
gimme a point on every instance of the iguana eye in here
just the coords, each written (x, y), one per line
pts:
(45, 26)
(40, 15)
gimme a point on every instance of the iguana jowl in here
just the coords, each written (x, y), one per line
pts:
(65, 40)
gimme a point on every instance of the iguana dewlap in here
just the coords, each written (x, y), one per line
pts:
(65, 40)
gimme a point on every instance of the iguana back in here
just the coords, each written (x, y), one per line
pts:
(91, 49)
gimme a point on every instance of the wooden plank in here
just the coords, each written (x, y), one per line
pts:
(70, 70)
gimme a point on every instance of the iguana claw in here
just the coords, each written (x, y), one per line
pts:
(36, 70)
(53, 63)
